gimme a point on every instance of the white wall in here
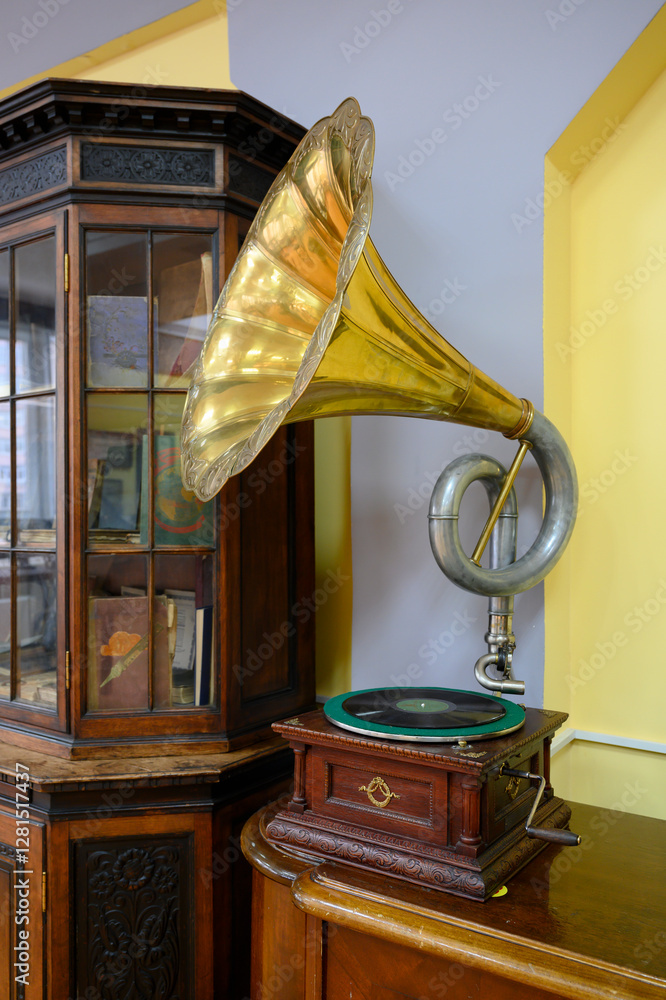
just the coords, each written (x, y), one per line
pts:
(535, 63)
(38, 34)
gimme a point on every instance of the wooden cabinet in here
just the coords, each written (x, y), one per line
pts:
(128, 876)
(133, 617)
(583, 923)
(146, 638)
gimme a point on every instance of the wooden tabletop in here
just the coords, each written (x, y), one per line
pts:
(587, 921)
(52, 774)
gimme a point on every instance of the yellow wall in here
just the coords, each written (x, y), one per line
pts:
(333, 551)
(604, 368)
(191, 49)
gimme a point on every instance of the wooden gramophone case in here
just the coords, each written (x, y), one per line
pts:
(437, 814)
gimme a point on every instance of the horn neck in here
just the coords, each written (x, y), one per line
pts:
(383, 356)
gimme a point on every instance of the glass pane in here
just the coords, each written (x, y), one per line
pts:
(5, 475)
(117, 309)
(36, 459)
(184, 583)
(117, 441)
(118, 633)
(184, 299)
(4, 323)
(180, 517)
(36, 621)
(35, 315)
(5, 625)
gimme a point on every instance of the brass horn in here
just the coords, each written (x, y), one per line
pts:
(311, 324)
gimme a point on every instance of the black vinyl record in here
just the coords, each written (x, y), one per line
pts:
(423, 708)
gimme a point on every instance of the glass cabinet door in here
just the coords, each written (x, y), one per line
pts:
(151, 544)
(28, 471)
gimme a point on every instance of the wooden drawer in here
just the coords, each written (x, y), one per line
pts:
(397, 797)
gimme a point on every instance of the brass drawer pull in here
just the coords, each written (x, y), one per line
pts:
(378, 783)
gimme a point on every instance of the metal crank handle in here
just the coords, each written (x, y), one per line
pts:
(564, 837)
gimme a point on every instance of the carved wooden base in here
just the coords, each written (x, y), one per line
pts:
(438, 815)
(413, 861)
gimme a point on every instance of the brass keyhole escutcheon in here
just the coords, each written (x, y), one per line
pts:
(378, 784)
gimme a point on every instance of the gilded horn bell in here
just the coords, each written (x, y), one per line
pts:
(311, 323)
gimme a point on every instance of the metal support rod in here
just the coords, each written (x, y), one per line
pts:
(499, 503)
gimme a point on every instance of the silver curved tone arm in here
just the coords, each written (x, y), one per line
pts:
(505, 576)
(500, 638)
(559, 476)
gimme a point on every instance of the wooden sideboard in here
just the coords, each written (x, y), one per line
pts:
(581, 923)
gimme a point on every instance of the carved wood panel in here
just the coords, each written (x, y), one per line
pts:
(34, 175)
(147, 164)
(135, 918)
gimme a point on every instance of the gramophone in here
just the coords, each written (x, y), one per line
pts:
(434, 785)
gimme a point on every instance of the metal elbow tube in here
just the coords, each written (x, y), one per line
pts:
(504, 685)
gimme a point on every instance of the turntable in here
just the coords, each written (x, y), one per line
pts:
(432, 785)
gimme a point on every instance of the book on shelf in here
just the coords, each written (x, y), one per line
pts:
(181, 609)
(183, 311)
(117, 340)
(118, 653)
(95, 482)
(184, 653)
(203, 661)
(42, 538)
(114, 491)
(182, 687)
(38, 689)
